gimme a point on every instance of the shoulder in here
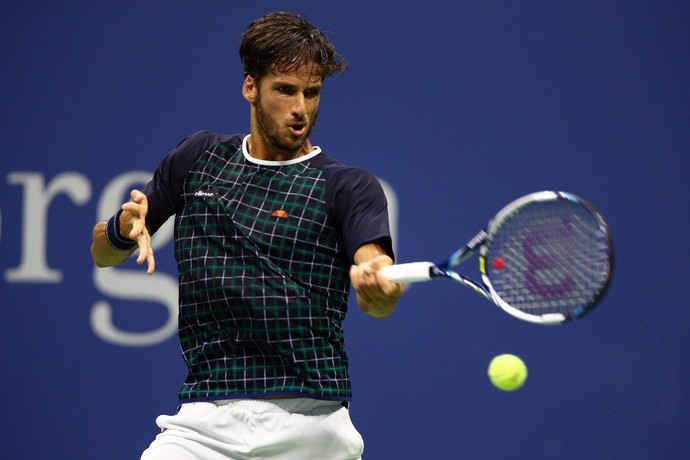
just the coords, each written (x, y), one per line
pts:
(192, 147)
(204, 140)
(357, 203)
(339, 173)
(349, 186)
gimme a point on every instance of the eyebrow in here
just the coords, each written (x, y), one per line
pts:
(279, 83)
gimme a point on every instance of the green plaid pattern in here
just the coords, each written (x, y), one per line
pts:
(263, 281)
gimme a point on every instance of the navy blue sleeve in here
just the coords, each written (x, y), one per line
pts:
(361, 209)
(164, 191)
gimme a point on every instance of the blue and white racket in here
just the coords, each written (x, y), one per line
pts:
(546, 258)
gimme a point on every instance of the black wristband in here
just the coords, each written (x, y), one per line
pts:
(112, 234)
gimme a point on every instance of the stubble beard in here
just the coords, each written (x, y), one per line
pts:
(271, 130)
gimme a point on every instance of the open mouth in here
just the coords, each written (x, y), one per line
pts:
(298, 129)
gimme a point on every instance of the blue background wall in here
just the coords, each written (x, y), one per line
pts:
(460, 106)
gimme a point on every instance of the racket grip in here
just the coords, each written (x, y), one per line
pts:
(414, 272)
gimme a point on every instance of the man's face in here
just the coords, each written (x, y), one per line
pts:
(286, 106)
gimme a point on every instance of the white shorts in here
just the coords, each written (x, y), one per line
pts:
(243, 429)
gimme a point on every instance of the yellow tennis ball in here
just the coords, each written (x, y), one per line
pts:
(507, 372)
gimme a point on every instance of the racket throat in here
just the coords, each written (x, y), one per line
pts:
(464, 252)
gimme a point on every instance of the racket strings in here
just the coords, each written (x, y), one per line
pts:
(557, 258)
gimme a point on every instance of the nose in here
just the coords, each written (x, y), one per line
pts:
(299, 106)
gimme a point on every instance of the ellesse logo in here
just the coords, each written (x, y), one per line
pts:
(280, 213)
(203, 193)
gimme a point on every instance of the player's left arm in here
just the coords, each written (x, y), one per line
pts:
(376, 295)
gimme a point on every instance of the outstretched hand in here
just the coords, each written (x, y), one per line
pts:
(133, 226)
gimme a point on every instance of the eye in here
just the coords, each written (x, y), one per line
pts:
(312, 92)
(285, 90)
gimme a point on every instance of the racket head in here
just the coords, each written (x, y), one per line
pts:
(548, 257)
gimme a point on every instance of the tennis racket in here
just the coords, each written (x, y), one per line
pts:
(546, 258)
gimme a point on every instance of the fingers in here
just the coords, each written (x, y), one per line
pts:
(378, 262)
(146, 251)
(367, 278)
(376, 295)
(136, 209)
(137, 196)
(357, 278)
(134, 219)
(363, 279)
(374, 283)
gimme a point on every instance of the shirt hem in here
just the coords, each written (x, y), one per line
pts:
(267, 395)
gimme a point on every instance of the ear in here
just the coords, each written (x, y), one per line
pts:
(249, 89)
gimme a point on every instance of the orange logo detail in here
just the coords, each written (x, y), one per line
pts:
(280, 213)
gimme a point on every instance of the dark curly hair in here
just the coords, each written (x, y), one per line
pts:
(283, 42)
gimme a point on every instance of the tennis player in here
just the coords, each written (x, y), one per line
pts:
(270, 233)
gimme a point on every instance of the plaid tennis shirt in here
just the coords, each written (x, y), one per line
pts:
(263, 252)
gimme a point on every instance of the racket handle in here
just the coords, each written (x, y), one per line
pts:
(413, 272)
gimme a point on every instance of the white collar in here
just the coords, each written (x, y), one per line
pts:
(248, 157)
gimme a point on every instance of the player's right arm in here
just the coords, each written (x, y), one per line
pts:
(132, 226)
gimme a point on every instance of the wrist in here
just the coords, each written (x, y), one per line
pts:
(112, 234)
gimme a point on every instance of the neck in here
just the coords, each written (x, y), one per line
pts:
(260, 149)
